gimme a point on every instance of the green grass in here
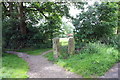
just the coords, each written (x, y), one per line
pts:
(64, 41)
(34, 51)
(94, 60)
(50, 56)
(13, 67)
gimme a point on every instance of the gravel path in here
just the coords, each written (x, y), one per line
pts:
(40, 67)
(113, 72)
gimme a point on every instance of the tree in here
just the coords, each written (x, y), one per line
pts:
(96, 22)
(22, 17)
(118, 28)
(68, 29)
(20, 20)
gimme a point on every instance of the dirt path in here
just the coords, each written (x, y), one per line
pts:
(40, 67)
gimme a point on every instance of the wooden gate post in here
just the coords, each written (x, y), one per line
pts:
(71, 46)
(56, 47)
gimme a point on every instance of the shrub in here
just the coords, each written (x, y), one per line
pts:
(102, 49)
(97, 21)
(113, 41)
(63, 52)
(13, 39)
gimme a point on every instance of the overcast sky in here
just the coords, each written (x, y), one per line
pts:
(73, 11)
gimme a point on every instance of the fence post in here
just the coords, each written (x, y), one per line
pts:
(56, 47)
(71, 46)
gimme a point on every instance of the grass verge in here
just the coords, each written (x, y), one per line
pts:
(34, 51)
(94, 60)
(13, 67)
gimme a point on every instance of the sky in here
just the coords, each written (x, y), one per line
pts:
(73, 12)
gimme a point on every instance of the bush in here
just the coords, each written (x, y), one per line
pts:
(113, 41)
(64, 52)
(98, 48)
(13, 39)
(10, 33)
(41, 45)
(64, 48)
(97, 21)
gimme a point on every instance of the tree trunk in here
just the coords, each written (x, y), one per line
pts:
(22, 18)
(10, 8)
(118, 29)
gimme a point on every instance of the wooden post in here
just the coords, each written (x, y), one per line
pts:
(56, 47)
(71, 46)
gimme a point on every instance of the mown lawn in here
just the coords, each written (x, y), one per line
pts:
(13, 67)
(93, 61)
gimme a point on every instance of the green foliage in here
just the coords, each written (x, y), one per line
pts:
(10, 33)
(92, 61)
(63, 48)
(67, 28)
(42, 22)
(63, 41)
(11, 67)
(96, 22)
(113, 41)
(98, 48)
(13, 39)
(50, 56)
(64, 52)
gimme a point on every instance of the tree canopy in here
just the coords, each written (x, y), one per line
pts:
(27, 24)
(97, 21)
